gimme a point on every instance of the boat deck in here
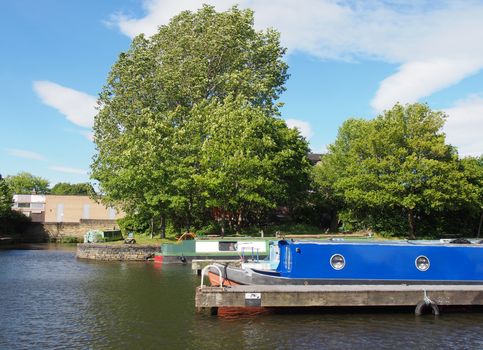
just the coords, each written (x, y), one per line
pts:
(199, 264)
(296, 296)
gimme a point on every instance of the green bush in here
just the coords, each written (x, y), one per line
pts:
(134, 223)
(14, 222)
(211, 229)
(171, 230)
(70, 239)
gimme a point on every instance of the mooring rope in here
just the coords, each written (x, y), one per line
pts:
(427, 301)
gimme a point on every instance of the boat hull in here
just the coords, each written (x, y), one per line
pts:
(225, 282)
(312, 263)
(247, 276)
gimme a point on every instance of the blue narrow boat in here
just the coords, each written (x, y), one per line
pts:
(384, 262)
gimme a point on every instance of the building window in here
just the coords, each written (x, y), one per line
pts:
(86, 211)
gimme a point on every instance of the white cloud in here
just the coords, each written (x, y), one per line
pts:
(464, 127)
(25, 154)
(158, 12)
(417, 79)
(436, 44)
(303, 126)
(68, 170)
(78, 107)
(320, 149)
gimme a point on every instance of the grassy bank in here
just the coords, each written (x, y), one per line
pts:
(147, 240)
(270, 232)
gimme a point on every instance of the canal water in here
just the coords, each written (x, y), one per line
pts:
(51, 300)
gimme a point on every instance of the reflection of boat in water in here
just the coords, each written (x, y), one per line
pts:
(345, 262)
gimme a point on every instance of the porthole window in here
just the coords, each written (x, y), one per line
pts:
(337, 262)
(422, 263)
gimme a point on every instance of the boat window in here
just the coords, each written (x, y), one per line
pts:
(227, 246)
(337, 262)
(288, 259)
(422, 263)
(274, 256)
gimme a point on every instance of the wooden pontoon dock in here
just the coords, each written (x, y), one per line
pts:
(422, 297)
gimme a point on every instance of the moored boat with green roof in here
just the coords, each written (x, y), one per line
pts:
(236, 248)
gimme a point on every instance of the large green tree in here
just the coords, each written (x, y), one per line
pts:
(26, 183)
(149, 142)
(397, 166)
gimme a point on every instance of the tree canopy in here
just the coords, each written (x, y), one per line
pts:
(11, 221)
(188, 122)
(6, 196)
(26, 183)
(249, 163)
(65, 188)
(396, 168)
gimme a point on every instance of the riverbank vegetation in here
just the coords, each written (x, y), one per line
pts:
(12, 223)
(189, 138)
(26, 183)
(396, 174)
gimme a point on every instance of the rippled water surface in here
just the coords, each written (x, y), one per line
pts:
(51, 300)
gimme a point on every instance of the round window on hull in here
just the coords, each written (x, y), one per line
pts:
(422, 263)
(337, 262)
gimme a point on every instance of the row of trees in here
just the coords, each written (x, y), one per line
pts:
(396, 174)
(26, 183)
(188, 133)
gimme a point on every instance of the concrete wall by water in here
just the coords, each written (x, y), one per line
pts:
(55, 231)
(74, 229)
(122, 252)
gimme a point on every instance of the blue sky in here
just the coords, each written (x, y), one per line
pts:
(346, 58)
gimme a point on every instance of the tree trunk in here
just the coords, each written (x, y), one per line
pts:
(411, 224)
(334, 221)
(479, 226)
(152, 227)
(239, 222)
(188, 223)
(163, 226)
(188, 215)
(222, 227)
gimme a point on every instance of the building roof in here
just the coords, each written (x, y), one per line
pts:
(314, 158)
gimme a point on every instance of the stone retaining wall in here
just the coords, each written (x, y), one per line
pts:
(122, 252)
(77, 229)
(55, 231)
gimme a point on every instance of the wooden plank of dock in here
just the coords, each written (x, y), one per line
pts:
(336, 295)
